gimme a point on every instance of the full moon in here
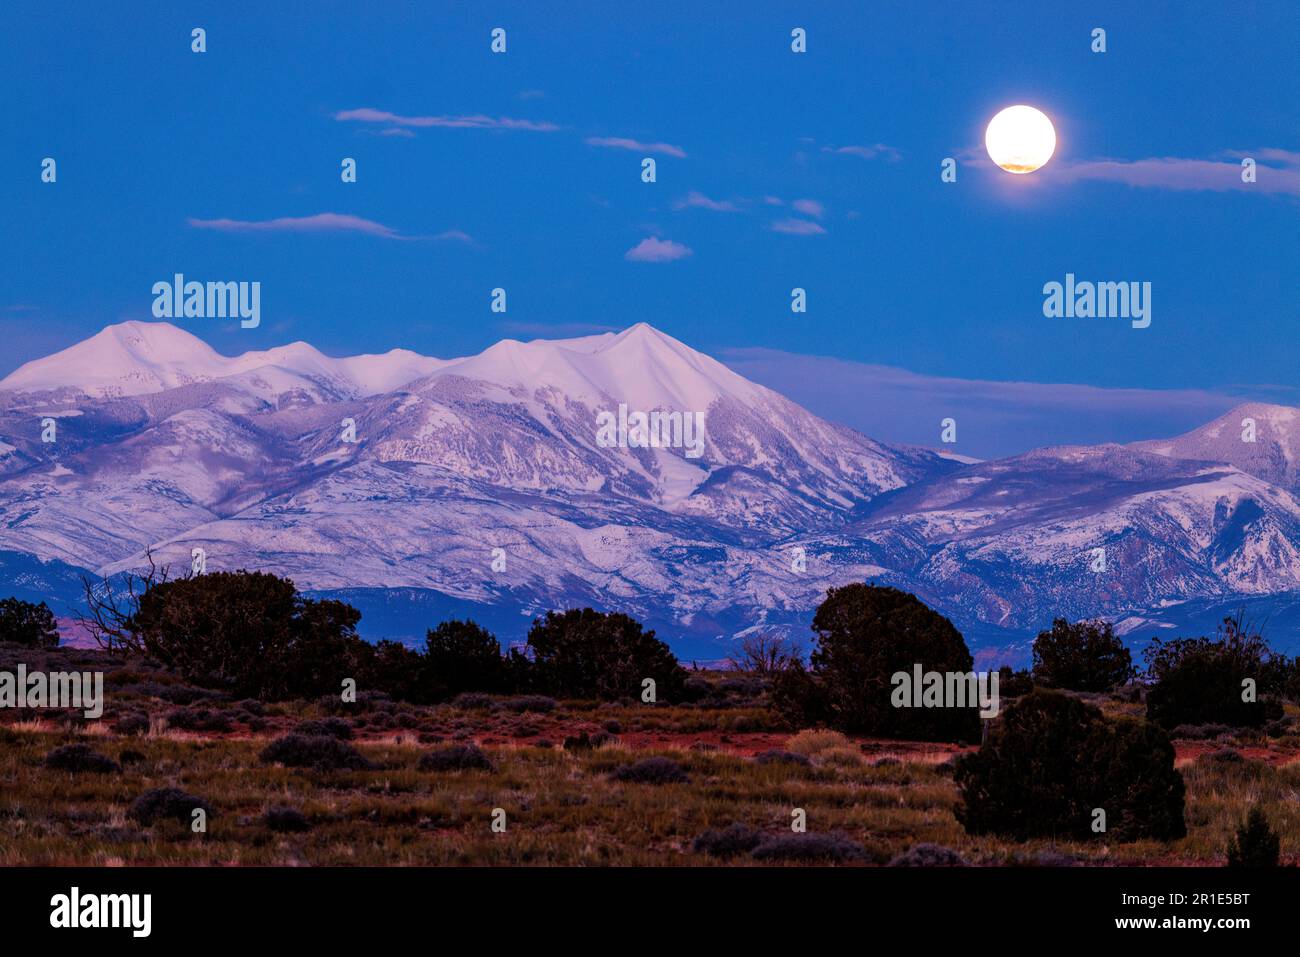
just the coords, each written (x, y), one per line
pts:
(1020, 139)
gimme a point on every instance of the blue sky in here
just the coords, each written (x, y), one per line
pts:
(478, 170)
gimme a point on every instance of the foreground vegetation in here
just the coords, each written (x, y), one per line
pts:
(553, 770)
(247, 723)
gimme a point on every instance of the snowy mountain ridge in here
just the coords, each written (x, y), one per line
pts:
(413, 485)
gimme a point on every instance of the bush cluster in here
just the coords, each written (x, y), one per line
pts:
(866, 634)
(1200, 681)
(1051, 761)
(253, 635)
(1084, 656)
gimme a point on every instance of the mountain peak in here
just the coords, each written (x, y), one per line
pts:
(127, 358)
(1260, 438)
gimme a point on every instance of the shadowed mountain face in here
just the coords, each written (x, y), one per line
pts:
(506, 483)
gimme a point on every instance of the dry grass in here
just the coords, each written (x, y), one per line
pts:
(562, 806)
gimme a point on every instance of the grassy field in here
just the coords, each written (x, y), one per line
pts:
(562, 804)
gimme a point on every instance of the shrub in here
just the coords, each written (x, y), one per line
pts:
(813, 742)
(130, 756)
(578, 742)
(530, 702)
(461, 656)
(26, 624)
(1255, 844)
(458, 757)
(696, 689)
(1050, 760)
(1199, 681)
(1222, 756)
(865, 635)
(797, 698)
(325, 728)
(173, 804)
(1084, 656)
(809, 847)
(133, 722)
(393, 668)
(730, 841)
(1013, 684)
(318, 753)
(191, 719)
(589, 654)
(1199, 732)
(473, 701)
(285, 820)
(656, 770)
(777, 756)
(928, 855)
(250, 633)
(79, 758)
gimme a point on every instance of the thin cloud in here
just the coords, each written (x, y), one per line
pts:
(1176, 173)
(455, 236)
(558, 330)
(320, 223)
(798, 227)
(652, 250)
(697, 200)
(809, 207)
(998, 418)
(476, 121)
(875, 151)
(623, 143)
(1277, 171)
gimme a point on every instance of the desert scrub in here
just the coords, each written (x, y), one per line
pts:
(459, 757)
(320, 753)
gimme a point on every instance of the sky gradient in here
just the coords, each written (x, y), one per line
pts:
(775, 170)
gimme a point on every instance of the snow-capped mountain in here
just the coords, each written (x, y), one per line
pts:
(143, 358)
(1260, 439)
(419, 487)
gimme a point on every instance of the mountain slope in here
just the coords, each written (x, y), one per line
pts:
(1260, 439)
(139, 358)
(484, 482)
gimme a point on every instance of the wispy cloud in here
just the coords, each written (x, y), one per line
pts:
(998, 418)
(697, 200)
(798, 227)
(455, 236)
(320, 223)
(1277, 171)
(1176, 173)
(809, 207)
(623, 143)
(475, 121)
(652, 250)
(557, 330)
(875, 151)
